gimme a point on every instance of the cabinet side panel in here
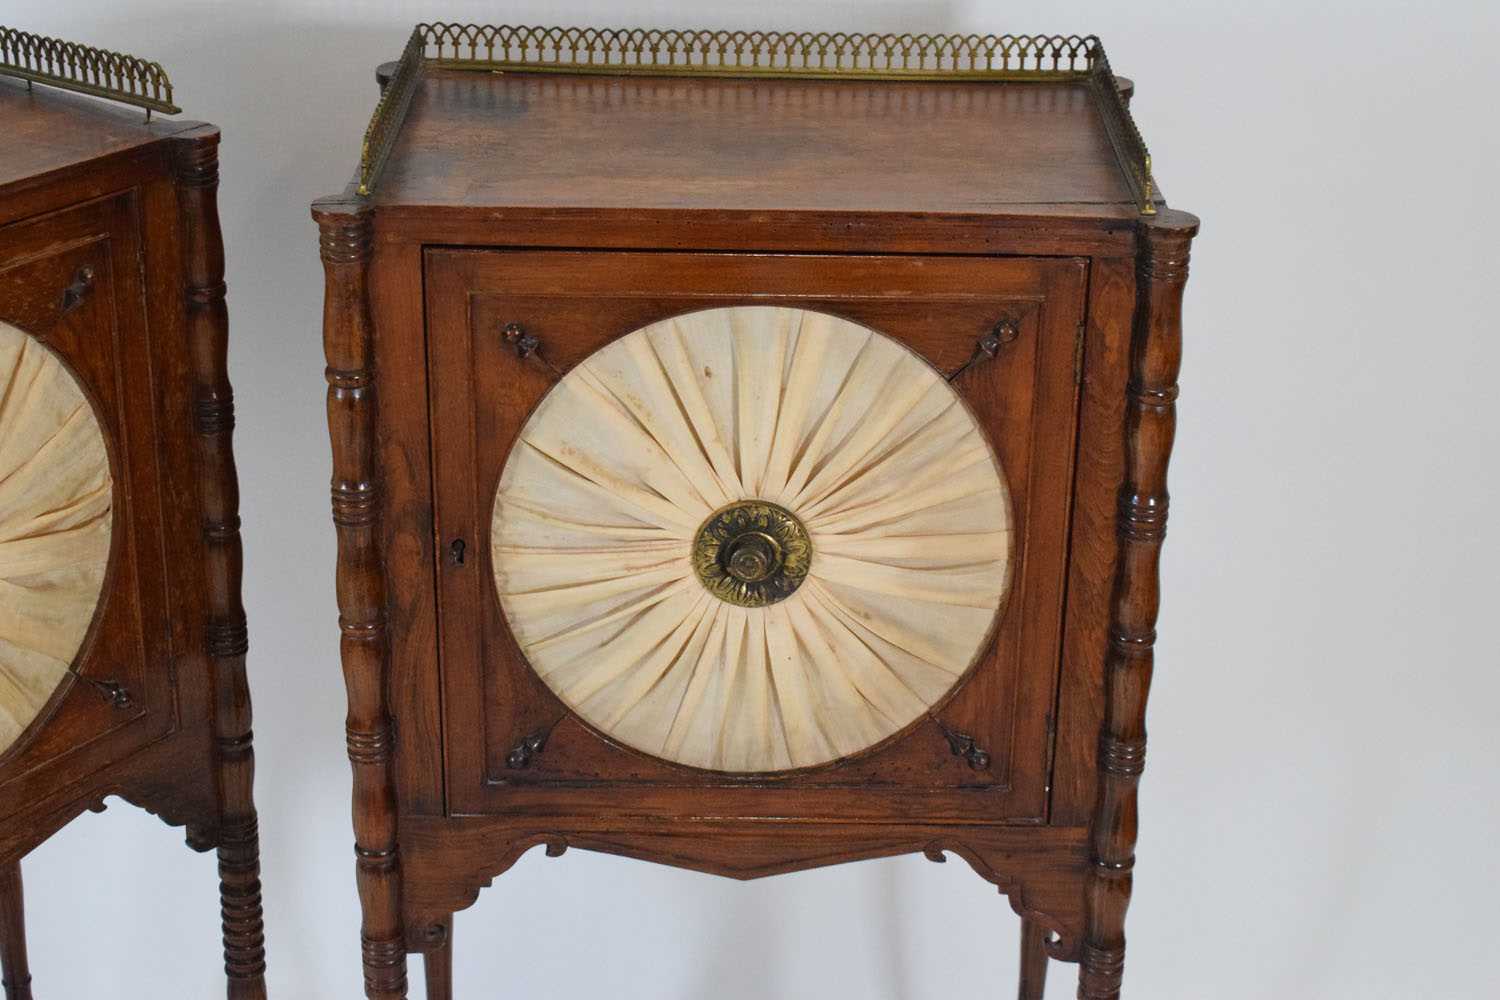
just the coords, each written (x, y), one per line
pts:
(1100, 471)
(404, 454)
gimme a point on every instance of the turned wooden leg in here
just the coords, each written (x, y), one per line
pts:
(438, 963)
(345, 242)
(1150, 422)
(225, 636)
(240, 907)
(17, 974)
(1033, 960)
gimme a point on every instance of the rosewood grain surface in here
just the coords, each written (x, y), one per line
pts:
(47, 130)
(782, 145)
(1092, 549)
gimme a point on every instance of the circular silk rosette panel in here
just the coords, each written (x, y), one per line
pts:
(55, 521)
(751, 539)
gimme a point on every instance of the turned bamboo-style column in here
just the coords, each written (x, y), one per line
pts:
(1150, 423)
(344, 236)
(225, 637)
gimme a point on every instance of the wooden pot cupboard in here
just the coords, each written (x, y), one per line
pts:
(749, 454)
(122, 637)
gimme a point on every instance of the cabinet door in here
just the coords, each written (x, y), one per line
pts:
(71, 299)
(777, 534)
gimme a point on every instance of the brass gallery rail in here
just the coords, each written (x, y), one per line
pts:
(785, 55)
(86, 70)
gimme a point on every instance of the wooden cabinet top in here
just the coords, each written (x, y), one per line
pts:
(473, 118)
(559, 141)
(47, 131)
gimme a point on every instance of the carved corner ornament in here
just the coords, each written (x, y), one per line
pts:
(530, 746)
(522, 754)
(961, 744)
(528, 346)
(1061, 944)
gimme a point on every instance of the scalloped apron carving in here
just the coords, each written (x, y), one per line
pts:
(635, 449)
(55, 523)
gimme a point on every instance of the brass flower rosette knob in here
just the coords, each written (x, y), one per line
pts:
(752, 553)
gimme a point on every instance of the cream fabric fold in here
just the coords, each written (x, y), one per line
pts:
(55, 519)
(630, 453)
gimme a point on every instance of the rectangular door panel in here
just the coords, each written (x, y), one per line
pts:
(505, 326)
(73, 281)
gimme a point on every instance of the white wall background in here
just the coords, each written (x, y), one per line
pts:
(1320, 812)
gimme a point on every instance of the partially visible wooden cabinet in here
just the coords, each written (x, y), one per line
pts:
(748, 455)
(122, 636)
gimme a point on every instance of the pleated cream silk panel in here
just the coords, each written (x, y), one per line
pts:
(628, 459)
(55, 520)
